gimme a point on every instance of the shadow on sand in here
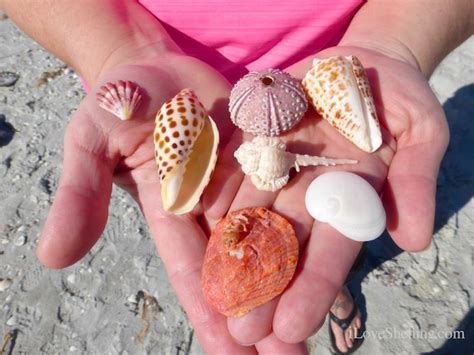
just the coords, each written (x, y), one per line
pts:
(6, 131)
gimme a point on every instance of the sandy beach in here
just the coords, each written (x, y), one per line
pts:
(118, 300)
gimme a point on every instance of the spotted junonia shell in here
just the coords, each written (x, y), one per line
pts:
(184, 135)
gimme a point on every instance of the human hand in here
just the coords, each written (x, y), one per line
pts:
(404, 170)
(100, 149)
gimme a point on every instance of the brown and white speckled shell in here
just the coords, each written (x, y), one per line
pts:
(250, 259)
(339, 90)
(267, 103)
(186, 141)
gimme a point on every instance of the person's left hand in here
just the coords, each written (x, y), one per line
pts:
(100, 149)
(404, 168)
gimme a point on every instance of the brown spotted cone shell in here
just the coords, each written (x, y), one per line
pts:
(250, 259)
(267, 103)
(338, 88)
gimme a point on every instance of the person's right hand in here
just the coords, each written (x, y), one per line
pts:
(404, 169)
(100, 149)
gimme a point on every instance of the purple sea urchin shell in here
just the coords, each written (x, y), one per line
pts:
(267, 103)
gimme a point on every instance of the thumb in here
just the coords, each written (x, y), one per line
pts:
(80, 208)
(410, 190)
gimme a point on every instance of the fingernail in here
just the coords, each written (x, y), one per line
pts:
(247, 344)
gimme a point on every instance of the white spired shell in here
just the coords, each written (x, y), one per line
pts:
(339, 90)
(348, 203)
(268, 163)
(186, 141)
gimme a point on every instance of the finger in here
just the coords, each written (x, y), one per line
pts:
(410, 190)
(225, 182)
(321, 273)
(255, 325)
(230, 189)
(182, 244)
(272, 345)
(80, 208)
(250, 196)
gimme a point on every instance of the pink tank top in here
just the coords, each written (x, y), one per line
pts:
(241, 35)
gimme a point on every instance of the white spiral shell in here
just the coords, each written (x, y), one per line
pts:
(348, 203)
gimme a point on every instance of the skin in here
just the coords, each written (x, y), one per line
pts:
(99, 149)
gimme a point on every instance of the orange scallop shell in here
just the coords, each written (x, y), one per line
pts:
(250, 258)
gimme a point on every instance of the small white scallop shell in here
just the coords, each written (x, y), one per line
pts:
(348, 203)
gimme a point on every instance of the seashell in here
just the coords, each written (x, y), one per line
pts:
(268, 163)
(186, 141)
(348, 203)
(250, 259)
(267, 103)
(121, 98)
(8, 78)
(339, 90)
(4, 284)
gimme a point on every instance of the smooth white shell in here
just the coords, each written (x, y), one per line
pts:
(348, 203)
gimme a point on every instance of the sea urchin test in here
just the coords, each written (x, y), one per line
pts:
(267, 103)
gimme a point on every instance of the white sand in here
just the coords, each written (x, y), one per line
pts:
(118, 299)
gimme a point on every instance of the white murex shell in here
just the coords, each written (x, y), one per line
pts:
(268, 163)
(339, 90)
(348, 203)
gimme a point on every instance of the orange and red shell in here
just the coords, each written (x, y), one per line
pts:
(250, 259)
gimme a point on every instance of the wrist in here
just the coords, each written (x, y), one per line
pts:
(419, 32)
(390, 47)
(135, 53)
(91, 35)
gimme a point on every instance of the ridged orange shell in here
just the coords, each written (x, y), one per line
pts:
(250, 259)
